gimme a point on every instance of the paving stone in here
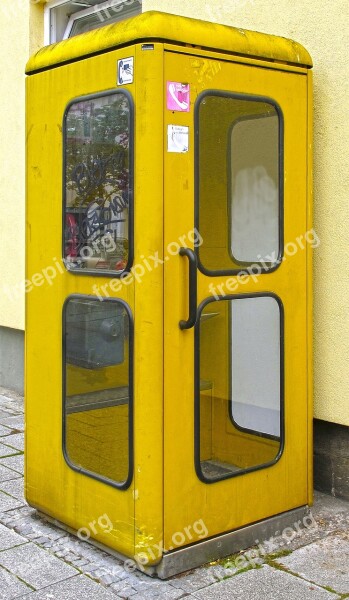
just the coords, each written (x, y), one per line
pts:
(162, 590)
(194, 581)
(9, 539)
(16, 440)
(15, 422)
(106, 579)
(71, 556)
(220, 572)
(264, 582)
(14, 487)
(25, 512)
(126, 592)
(5, 414)
(5, 431)
(326, 562)
(35, 566)
(7, 474)
(14, 462)
(47, 543)
(7, 450)
(44, 528)
(25, 530)
(11, 586)
(75, 588)
(119, 574)
(12, 397)
(8, 502)
(80, 562)
(8, 404)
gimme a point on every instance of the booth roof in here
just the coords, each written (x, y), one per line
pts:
(161, 27)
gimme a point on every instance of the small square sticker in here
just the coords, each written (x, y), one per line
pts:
(178, 96)
(177, 138)
(125, 70)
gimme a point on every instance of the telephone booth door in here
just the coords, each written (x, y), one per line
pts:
(236, 351)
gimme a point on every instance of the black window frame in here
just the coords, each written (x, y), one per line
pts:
(86, 98)
(247, 98)
(118, 485)
(281, 439)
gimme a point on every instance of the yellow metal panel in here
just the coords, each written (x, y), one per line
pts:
(207, 66)
(162, 26)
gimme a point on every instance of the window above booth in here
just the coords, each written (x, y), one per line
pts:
(67, 18)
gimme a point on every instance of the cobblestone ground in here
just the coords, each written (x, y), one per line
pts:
(40, 561)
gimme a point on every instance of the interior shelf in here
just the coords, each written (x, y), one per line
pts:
(97, 400)
(207, 316)
(205, 385)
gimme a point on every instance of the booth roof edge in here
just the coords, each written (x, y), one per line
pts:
(180, 30)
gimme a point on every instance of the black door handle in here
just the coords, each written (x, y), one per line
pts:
(193, 265)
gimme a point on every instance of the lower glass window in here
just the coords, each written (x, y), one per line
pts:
(98, 341)
(239, 381)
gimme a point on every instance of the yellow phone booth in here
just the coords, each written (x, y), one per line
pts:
(168, 341)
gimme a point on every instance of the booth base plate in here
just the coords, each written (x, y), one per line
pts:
(212, 549)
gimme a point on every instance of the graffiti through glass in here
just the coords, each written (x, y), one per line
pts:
(97, 183)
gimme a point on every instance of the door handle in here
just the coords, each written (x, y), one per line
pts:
(193, 265)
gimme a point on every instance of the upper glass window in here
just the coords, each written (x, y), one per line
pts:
(239, 182)
(98, 184)
(66, 18)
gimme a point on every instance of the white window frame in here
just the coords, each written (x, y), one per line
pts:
(50, 24)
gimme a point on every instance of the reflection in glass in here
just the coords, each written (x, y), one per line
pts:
(97, 183)
(113, 12)
(240, 397)
(97, 396)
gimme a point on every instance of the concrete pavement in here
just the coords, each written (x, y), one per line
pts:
(39, 561)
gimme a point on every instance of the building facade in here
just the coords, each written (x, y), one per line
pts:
(26, 25)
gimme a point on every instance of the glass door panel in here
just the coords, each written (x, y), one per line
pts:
(239, 381)
(239, 150)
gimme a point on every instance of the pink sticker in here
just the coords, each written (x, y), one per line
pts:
(178, 96)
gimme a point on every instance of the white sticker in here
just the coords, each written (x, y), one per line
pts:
(177, 138)
(125, 70)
